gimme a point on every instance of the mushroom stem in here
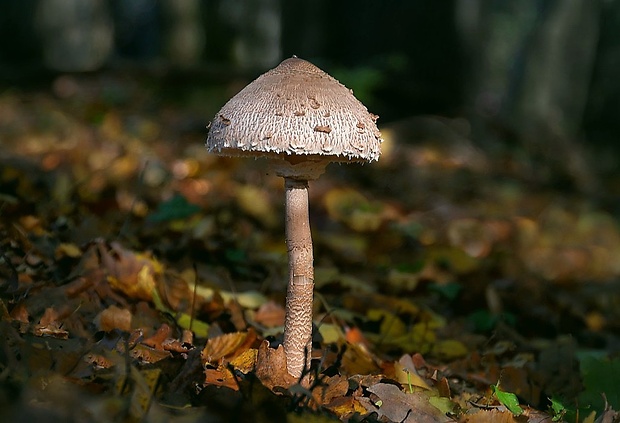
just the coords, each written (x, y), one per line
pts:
(298, 320)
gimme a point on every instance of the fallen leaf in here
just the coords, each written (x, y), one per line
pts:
(406, 373)
(67, 250)
(358, 360)
(49, 326)
(270, 315)
(221, 376)
(226, 346)
(148, 354)
(133, 274)
(246, 361)
(493, 415)
(398, 406)
(345, 407)
(114, 317)
(271, 367)
(330, 388)
(508, 399)
(163, 333)
(449, 349)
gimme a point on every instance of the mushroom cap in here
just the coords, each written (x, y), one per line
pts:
(296, 112)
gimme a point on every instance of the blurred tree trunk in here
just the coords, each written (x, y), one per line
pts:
(137, 29)
(602, 117)
(77, 35)
(257, 29)
(531, 68)
(185, 36)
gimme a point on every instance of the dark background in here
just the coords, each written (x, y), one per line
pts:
(540, 77)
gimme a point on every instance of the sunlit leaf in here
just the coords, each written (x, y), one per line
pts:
(558, 410)
(408, 376)
(223, 346)
(508, 399)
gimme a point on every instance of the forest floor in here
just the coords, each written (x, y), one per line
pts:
(140, 276)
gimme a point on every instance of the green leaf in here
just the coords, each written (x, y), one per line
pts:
(508, 400)
(445, 405)
(450, 290)
(600, 375)
(485, 321)
(175, 208)
(558, 410)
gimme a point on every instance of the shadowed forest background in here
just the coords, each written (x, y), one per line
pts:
(539, 75)
(479, 258)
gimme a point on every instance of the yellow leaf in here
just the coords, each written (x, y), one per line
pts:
(391, 325)
(222, 346)
(199, 327)
(456, 258)
(408, 378)
(420, 339)
(246, 361)
(449, 349)
(331, 333)
(247, 299)
(67, 250)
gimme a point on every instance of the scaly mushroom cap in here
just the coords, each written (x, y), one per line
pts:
(296, 112)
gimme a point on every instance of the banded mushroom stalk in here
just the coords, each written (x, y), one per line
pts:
(302, 119)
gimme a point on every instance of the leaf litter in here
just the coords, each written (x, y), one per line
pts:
(144, 279)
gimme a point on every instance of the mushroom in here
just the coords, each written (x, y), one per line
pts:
(301, 118)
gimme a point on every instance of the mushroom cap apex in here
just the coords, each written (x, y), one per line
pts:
(296, 110)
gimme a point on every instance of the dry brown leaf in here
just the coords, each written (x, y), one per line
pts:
(174, 345)
(99, 361)
(394, 404)
(187, 337)
(227, 346)
(49, 316)
(147, 354)
(221, 377)
(131, 273)
(115, 317)
(270, 314)
(345, 407)
(20, 313)
(493, 415)
(237, 317)
(163, 333)
(271, 367)
(358, 360)
(329, 389)
(50, 326)
(175, 291)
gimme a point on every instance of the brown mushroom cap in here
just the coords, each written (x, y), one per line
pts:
(296, 112)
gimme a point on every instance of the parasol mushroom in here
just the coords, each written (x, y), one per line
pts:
(303, 119)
